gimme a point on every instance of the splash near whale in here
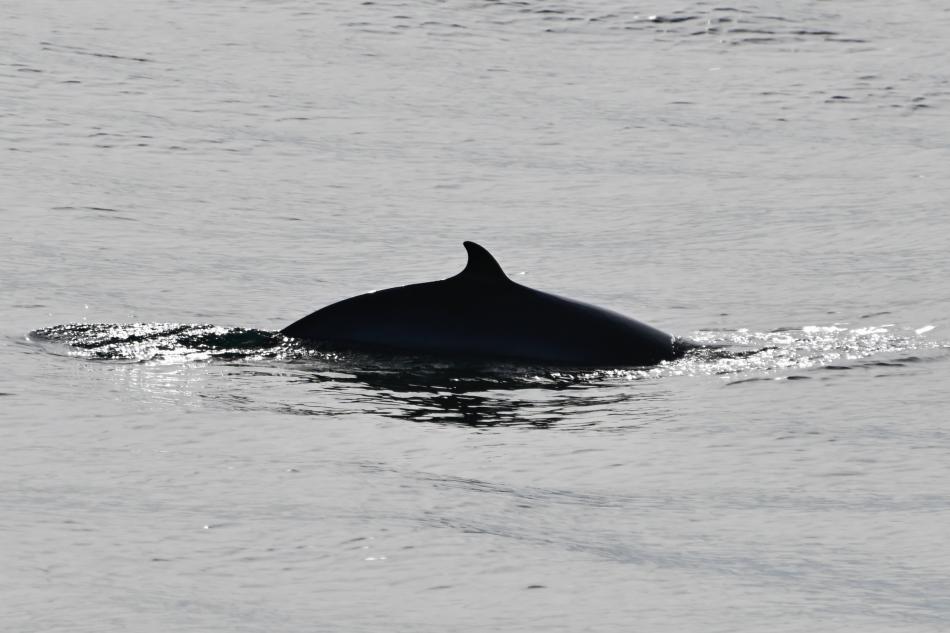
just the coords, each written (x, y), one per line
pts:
(482, 314)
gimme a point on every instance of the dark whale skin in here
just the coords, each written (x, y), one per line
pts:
(482, 314)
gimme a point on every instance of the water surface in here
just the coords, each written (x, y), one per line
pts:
(180, 181)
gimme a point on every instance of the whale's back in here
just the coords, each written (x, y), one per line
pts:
(486, 318)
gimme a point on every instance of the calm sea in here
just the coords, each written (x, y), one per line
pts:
(179, 180)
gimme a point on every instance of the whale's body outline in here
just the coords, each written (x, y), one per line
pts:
(480, 313)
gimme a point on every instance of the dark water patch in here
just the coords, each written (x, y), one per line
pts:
(872, 363)
(451, 394)
(746, 380)
(744, 31)
(59, 48)
(767, 379)
(672, 19)
(754, 40)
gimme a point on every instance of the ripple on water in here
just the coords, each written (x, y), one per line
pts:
(169, 342)
(716, 352)
(477, 394)
(721, 24)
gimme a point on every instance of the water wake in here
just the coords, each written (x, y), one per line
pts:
(712, 352)
(269, 371)
(164, 342)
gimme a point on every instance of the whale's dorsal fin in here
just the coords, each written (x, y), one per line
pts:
(481, 265)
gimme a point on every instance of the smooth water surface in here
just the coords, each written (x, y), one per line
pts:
(179, 181)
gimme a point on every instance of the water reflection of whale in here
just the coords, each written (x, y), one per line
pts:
(483, 397)
(415, 388)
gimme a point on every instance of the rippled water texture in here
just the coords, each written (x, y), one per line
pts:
(180, 181)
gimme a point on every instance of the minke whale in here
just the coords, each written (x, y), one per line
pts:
(481, 314)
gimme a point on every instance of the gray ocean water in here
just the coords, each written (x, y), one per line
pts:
(179, 180)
